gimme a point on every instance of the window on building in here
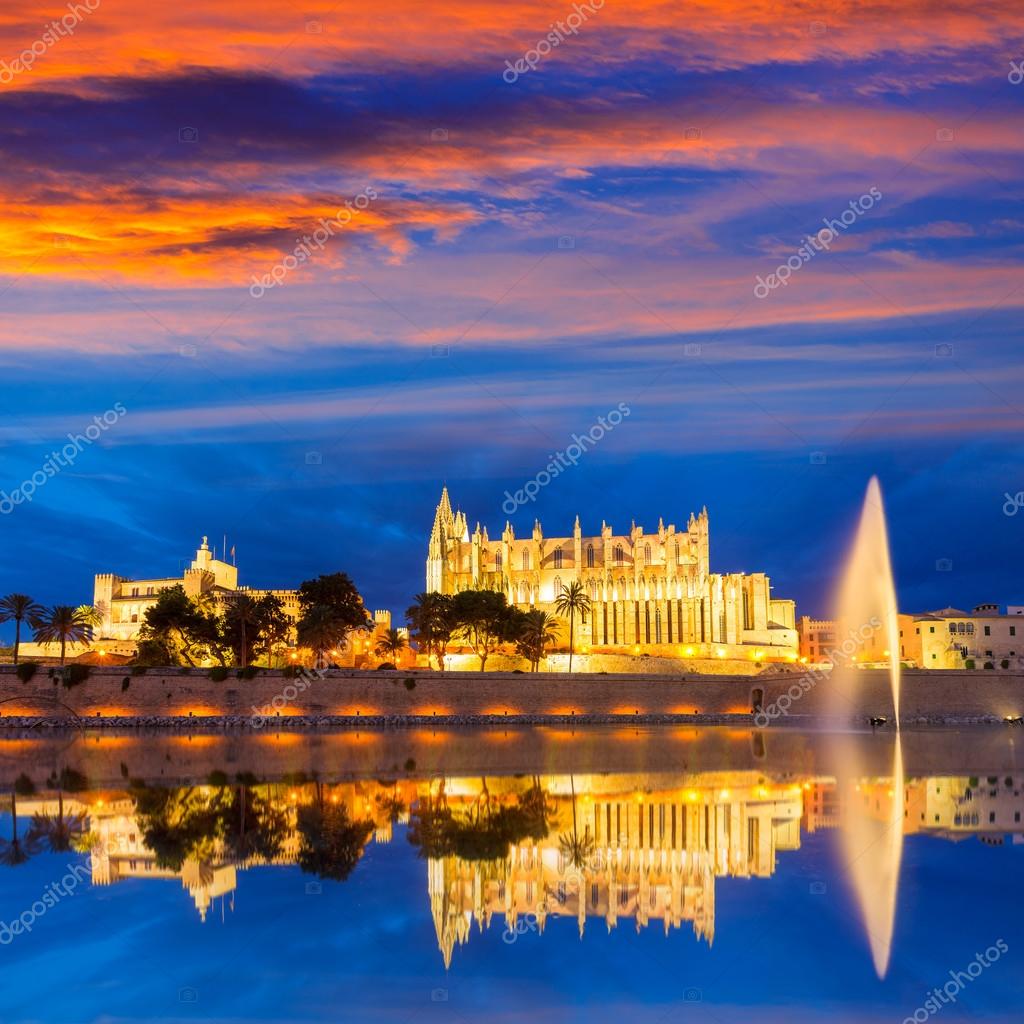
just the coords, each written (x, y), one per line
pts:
(988, 631)
(497, 561)
(647, 554)
(618, 554)
(526, 559)
(557, 587)
(1013, 631)
(558, 558)
(931, 629)
(590, 556)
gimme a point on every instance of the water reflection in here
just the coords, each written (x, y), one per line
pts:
(506, 851)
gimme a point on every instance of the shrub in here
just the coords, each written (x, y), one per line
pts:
(291, 671)
(988, 664)
(969, 664)
(249, 672)
(410, 683)
(71, 780)
(138, 670)
(24, 786)
(125, 683)
(410, 764)
(517, 672)
(25, 671)
(217, 778)
(71, 675)
(385, 666)
(1005, 663)
(218, 673)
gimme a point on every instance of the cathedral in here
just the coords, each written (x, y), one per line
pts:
(651, 592)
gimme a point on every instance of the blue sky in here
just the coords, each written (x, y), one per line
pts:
(536, 254)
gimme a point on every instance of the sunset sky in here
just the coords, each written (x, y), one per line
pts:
(519, 258)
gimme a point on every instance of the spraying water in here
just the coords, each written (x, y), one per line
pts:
(873, 806)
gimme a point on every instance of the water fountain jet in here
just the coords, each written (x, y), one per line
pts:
(873, 807)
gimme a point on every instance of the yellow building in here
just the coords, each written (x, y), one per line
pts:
(950, 638)
(654, 591)
(122, 602)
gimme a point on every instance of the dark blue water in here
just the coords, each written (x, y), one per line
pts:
(282, 944)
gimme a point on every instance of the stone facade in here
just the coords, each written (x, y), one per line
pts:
(949, 638)
(649, 590)
(122, 602)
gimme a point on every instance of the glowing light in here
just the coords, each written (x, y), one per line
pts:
(724, 795)
(720, 652)
(691, 795)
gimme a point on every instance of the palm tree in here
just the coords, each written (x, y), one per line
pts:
(391, 644)
(572, 600)
(321, 629)
(61, 622)
(15, 851)
(90, 616)
(57, 832)
(21, 608)
(577, 849)
(540, 630)
(242, 612)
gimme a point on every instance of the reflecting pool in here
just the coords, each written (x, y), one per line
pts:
(526, 875)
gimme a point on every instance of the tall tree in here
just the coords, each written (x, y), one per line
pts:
(176, 622)
(62, 624)
(19, 608)
(537, 631)
(433, 623)
(330, 608)
(573, 601)
(321, 630)
(251, 624)
(485, 620)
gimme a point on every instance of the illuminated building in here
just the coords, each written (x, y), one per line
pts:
(654, 590)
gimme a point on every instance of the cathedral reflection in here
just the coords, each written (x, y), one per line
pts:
(643, 849)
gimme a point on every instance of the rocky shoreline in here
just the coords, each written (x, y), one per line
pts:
(33, 725)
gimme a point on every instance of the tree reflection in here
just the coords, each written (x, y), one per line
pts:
(331, 842)
(484, 831)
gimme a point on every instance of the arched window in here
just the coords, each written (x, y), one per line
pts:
(558, 558)
(618, 554)
(590, 556)
(647, 554)
(497, 561)
(677, 551)
(557, 587)
(657, 625)
(526, 559)
(522, 593)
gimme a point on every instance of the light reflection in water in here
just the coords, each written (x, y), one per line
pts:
(602, 849)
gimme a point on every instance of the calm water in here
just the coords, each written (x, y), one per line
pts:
(638, 875)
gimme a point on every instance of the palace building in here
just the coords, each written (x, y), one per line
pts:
(650, 591)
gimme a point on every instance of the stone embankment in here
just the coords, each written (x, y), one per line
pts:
(178, 699)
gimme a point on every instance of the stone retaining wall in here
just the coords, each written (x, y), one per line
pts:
(926, 695)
